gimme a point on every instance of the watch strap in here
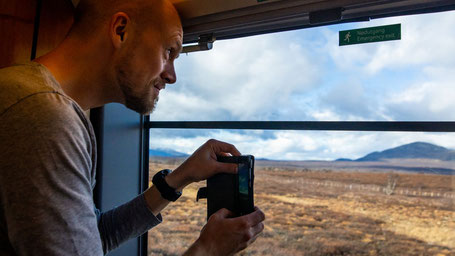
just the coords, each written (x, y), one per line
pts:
(167, 192)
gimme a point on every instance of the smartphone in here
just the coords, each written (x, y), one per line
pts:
(234, 192)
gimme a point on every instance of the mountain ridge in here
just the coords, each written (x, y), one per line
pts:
(412, 151)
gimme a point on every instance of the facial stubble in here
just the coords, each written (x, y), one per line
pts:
(143, 102)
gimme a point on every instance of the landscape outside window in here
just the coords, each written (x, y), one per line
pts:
(324, 193)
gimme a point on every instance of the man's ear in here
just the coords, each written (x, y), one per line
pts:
(119, 27)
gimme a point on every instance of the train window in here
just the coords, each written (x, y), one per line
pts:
(324, 192)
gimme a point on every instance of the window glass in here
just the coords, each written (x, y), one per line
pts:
(332, 193)
(304, 75)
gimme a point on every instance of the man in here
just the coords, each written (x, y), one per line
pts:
(116, 51)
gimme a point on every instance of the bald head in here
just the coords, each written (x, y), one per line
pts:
(91, 15)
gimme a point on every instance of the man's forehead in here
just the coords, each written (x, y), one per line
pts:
(172, 21)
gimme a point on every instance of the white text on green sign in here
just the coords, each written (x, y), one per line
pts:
(370, 35)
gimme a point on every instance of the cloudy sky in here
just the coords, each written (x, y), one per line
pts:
(305, 76)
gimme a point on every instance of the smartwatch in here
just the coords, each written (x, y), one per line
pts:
(166, 191)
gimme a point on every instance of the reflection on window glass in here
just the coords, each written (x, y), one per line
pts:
(345, 193)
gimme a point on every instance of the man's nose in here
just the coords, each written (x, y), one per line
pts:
(168, 75)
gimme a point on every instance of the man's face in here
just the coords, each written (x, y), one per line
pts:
(148, 65)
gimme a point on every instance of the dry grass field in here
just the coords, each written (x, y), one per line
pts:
(324, 212)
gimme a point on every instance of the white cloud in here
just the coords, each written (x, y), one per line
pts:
(426, 40)
(324, 115)
(242, 79)
(426, 100)
(350, 97)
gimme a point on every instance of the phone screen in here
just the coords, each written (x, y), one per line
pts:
(243, 179)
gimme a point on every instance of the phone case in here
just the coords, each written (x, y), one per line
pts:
(223, 189)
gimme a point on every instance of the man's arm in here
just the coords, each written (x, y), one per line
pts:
(124, 222)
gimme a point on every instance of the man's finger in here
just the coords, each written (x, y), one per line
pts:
(220, 146)
(258, 228)
(253, 239)
(224, 154)
(255, 217)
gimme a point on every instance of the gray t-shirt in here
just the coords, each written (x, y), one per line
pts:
(47, 174)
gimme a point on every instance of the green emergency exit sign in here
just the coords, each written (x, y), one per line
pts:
(370, 35)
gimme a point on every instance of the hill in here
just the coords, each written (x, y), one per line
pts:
(412, 151)
(166, 153)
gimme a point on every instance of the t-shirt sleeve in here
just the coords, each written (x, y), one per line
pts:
(46, 179)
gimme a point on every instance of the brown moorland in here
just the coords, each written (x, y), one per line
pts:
(325, 212)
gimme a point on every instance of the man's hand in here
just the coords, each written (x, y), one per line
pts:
(226, 236)
(202, 164)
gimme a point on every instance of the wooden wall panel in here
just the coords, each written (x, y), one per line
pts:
(17, 27)
(16, 30)
(55, 22)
